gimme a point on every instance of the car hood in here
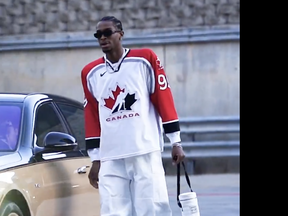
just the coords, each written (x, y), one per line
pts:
(8, 159)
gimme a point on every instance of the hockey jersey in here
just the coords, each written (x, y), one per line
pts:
(127, 104)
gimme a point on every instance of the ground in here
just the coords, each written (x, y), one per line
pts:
(218, 195)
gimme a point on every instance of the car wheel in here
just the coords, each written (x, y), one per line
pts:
(10, 209)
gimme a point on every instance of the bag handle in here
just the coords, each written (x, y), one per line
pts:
(178, 181)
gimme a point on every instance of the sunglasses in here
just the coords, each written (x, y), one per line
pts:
(105, 33)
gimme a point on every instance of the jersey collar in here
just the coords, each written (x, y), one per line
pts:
(115, 67)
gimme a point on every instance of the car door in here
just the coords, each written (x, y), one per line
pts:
(64, 186)
(86, 197)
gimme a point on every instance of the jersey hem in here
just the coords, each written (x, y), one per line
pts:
(130, 155)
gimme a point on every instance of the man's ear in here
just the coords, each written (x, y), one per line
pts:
(121, 34)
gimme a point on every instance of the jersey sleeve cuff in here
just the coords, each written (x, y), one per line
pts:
(174, 137)
(94, 154)
(92, 143)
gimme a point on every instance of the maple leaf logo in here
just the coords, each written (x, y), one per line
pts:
(110, 102)
(121, 101)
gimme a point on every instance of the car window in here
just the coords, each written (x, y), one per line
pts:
(10, 118)
(75, 118)
(47, 121)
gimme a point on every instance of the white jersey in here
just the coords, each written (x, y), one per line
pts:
(127, 104)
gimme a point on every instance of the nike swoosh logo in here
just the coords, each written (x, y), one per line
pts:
(102, 74)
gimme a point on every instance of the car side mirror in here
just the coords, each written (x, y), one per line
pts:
(57, 142)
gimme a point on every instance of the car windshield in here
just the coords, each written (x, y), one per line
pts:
(10, 118)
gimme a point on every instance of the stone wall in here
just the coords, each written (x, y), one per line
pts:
(46, 16)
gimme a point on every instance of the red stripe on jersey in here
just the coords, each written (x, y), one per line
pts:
(91, 112)
(161, 96)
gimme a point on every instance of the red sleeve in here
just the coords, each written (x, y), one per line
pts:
(91, 114)
(161, 96)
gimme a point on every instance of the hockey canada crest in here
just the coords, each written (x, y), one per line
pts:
(120, 101)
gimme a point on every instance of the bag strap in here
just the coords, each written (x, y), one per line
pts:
(178, 181)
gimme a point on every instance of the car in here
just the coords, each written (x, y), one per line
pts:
(43, 162)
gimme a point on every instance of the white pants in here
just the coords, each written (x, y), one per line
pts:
(134, 186)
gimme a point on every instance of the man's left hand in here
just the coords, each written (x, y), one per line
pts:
(177, 154)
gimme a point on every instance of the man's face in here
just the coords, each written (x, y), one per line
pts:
(9, 134)
(108, 36)
(12, 135)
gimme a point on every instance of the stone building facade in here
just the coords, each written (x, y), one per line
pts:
(48, 16)
(44, 44)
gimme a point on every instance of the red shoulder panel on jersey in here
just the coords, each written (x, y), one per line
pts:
(91, 65)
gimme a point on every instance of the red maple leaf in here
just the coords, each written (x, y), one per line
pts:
(109, 103)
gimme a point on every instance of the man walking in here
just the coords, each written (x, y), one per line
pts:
(127, 103)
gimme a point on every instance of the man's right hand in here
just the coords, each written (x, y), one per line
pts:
(93, 174)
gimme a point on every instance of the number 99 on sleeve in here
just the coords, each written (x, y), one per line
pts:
(162, 81)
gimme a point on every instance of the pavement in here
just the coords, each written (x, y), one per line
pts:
(218, 194)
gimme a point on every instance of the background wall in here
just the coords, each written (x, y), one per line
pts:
(201, 78)
(34, 16)
(44, 44)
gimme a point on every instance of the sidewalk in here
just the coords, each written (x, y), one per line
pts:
(218, 195)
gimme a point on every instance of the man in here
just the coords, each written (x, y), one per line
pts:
(127, 97)
(8, 136)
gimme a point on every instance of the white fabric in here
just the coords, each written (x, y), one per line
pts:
(134, 186)
(143, 121)
(94, 154)
(130, 123)
(173, 137)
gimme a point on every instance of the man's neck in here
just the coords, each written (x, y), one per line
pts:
(115, 55)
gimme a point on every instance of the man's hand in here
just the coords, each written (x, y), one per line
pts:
(177, 154)
(93, 174)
